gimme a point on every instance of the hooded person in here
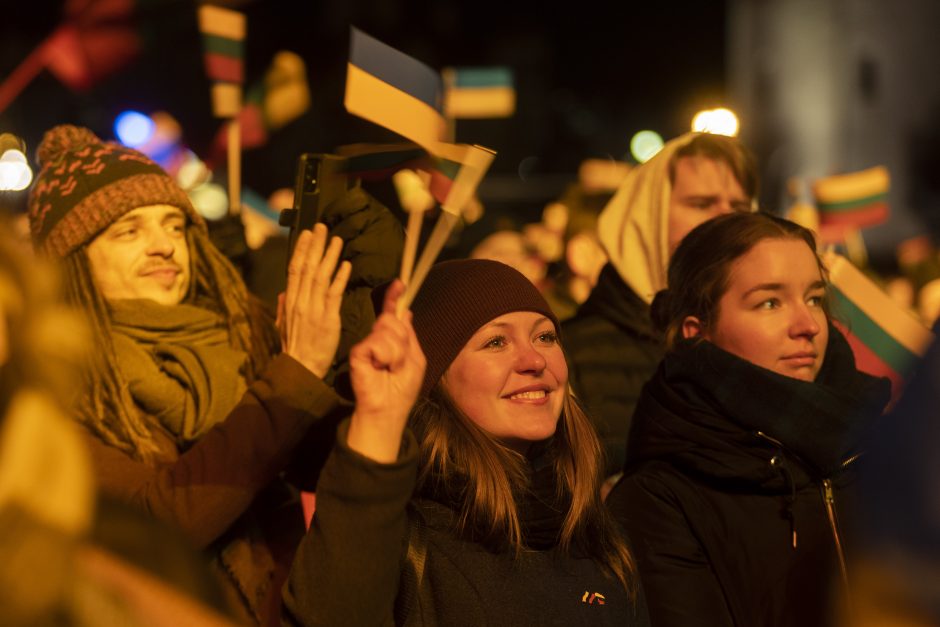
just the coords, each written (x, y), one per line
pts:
(464, 490)
(189, 410)
(611, 346)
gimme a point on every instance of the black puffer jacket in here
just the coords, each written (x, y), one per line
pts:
(725, 495)
(612, 351)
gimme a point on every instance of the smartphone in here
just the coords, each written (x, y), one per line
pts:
(319, 181)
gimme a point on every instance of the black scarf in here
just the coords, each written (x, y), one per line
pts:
(703, 409)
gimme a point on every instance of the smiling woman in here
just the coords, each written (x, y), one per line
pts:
(510, 378)
(742, 440)
(503, 524)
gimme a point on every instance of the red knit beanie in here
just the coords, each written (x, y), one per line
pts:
(457, 298)
(86, 184)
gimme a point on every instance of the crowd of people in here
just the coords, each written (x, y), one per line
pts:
(689, 445)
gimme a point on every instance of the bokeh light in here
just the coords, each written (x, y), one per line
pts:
(645, 144)
(15, 173)
(210, 200)
(133, 128)
(720, 121)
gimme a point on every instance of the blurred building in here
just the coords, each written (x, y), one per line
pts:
(827, 86)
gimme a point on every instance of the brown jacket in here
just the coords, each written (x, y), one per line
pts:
(224, 491)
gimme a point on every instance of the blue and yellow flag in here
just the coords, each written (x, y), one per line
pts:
(479, 92)
(391, 89)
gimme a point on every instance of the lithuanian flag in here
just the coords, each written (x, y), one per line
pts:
(458, 171)
(479, 92)
(223, 34)
(375, 162)
(887, 340)
(380, 161)
(391, 89)
(854, 200)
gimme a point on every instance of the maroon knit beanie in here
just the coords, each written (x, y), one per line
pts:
(86, 184)
(457, 298)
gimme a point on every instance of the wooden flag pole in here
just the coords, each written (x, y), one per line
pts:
(475, 162)
(234, 167)
(412, 235)
(415, 199)
(439, 236)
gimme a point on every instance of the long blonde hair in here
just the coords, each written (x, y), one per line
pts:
(453, 450)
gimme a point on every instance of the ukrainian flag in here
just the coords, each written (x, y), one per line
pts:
(479, 92)
(393, 90)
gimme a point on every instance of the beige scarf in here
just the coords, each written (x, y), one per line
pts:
(178, 364)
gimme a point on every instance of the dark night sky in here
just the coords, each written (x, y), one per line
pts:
(588, 74)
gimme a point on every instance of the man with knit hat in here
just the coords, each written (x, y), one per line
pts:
(188, 412)
(611, 347)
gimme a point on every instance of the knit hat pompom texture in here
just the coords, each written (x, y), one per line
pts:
(86, 184)
(457, 298)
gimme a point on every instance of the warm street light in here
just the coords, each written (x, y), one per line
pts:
(15, 173)
(719, 121)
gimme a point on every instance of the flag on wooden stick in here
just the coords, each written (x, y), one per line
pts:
(887, 340)
(373, 162)
(402, 94)
(223, 33)
(474, 163)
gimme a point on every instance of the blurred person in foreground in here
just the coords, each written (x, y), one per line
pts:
(70, 558)
(611, 346)
(743, 451)
(189, 409)
(464, 489)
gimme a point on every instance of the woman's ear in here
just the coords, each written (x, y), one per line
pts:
(691, 327)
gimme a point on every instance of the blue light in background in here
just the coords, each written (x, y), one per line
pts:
(133, 128)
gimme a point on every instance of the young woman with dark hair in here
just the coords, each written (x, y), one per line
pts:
(744, 441)
(479, 505)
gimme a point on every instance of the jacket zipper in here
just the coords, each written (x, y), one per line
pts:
(830, 501)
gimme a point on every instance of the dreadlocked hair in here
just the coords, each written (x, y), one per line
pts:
(454, 450)
(218, 286)
(107, 408)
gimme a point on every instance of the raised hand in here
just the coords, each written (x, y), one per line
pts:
(308, 311)
(386, 372)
